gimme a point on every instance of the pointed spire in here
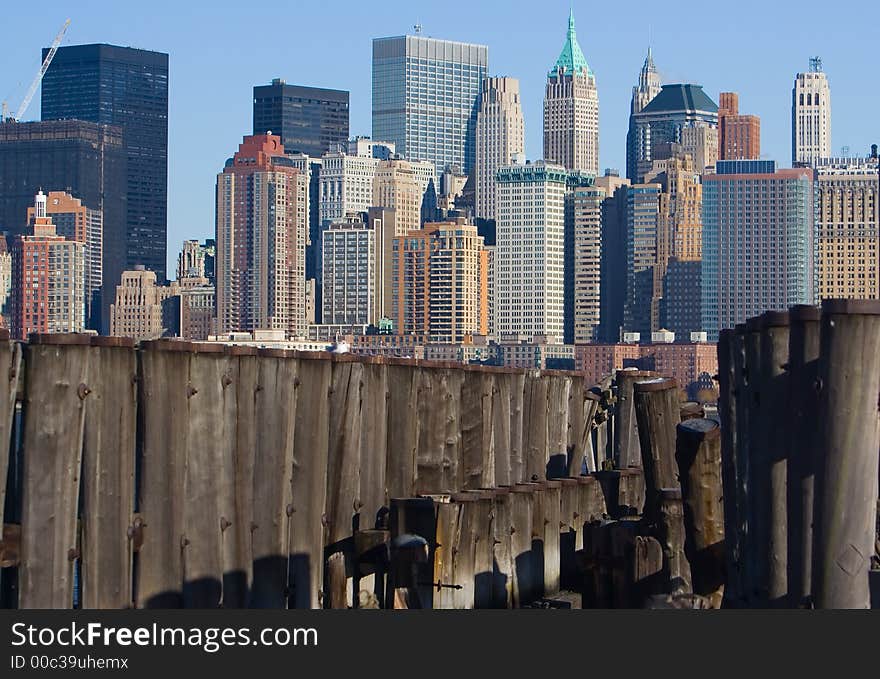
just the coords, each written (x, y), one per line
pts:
(571, 31)
(571, 59)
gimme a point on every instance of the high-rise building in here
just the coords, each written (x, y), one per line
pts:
(649, 87)
(143, 310)
(665, 121)
(129, 88)
(397, 185)
(308, 119)
(583, 249)
(571, 110)
(349, 291)
(810, 116)
(197, 300)
(262, 228)
(382, 221)
(440, 282)
(642, 216)
(86, 160)
(530, 250)
(500, 136)
(75, 221)
(847, 258)
(739, 136)
(612, 265)
(191, 260)
(48, 284)
(5, 284)
(701, 143)
(425, 95)
(758, 237)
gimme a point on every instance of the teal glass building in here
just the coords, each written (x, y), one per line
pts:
(425, 97)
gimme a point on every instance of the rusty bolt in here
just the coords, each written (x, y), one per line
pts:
(82, 391)
(183, 541)
(191, 391)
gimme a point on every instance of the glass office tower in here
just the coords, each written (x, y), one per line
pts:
(425, 96)
(129, 88)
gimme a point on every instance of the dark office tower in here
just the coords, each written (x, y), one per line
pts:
(308, 119)
(85, 159)
(129, 88)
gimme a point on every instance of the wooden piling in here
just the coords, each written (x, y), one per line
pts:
(524, 574)
(846, 453)
(757, 485)
(403, 429)
(803, 419)
(727, 396)
(698, 452)
(626, 433)
(657, 414)
(671, 536)
(10, 368)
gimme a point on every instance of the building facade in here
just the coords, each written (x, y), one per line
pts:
(261, 233)
(571, 110)
(649, 87)
(143, 310)
(440, 282)
(583, 221)
(86, 160)
(530, 250)
(397, 185)
(612, 272)
(500, 136)
(640, 311)
(349, 289)
(847, 259)
(129, 88)
(810, 116)
(48, 279)
(308, 119)
(665, 121)
(758, 242)
(739, 136)
(425, 94)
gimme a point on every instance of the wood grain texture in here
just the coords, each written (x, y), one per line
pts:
(10, 370)
(535, 426)
(477, 430)
(403, 430)
(374, 445)
(501, 420)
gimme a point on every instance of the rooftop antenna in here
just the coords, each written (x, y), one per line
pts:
(815, 64)
(417, 28)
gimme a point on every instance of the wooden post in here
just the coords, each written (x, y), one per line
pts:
(518, 424)
(727, 395)
(552, 559)
(803, 420)
(403, 428)
(439, 449)
(501, 420)
(502, 562)
(374, 444)
(657, 414)
(275, 405)
(10, 367)
(774, 441)
(108, 474)
(524, 576)
(692, 410)
(846, 453)
(756, 493)
(698, 452)
(535, 423)
(477, 441)
(671, 535)
(336, 581)
(626, 432)
(569, 532)
(740, 412)
(558, 396)
(56, 398)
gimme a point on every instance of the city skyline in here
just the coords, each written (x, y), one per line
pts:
(521, 46)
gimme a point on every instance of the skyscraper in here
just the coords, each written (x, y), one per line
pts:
(847, 257)
(308, 119)
(349, 292)
(129, 88)
(500, 135)
(440, 280)
(75, 221)
(612, 272)
(396, 185)
(48, 288)
(673, 114)
(739, 136)
(261, 230)
(86, 160)
(530, 252)
(758, 231)
(583, 224)
(425, 95)
(642, 212)
(571, 110)
(810, 116)
(649, 87)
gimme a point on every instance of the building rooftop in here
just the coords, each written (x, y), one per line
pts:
(681, 97)
(571, 59)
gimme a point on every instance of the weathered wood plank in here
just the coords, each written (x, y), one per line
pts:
(445, 553)
(626, 431)
(728, 394)
(275, 406)
(311, 440)
(477, 442)
(559, 395)
(552, 559)
(501, 420)
(164, 401)
(344, 452)
(535, 425)
(56, 394)
(524, 574)
(518, 422)
(108, 474)
(10, 369)
(374, 445)
(403, 430)
(439, 449)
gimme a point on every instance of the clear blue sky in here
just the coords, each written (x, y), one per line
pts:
(219, 50)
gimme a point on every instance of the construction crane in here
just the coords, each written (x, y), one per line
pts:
(36, 83)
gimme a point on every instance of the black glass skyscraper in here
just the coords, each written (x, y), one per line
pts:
(129, 88)
(308, 119)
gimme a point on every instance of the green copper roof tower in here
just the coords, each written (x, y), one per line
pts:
(571, 59)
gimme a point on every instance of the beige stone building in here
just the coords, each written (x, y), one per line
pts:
(810, 116)
(847, 259)
(571, 110)
(397, 185)
(500, 135)
(141, 310)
